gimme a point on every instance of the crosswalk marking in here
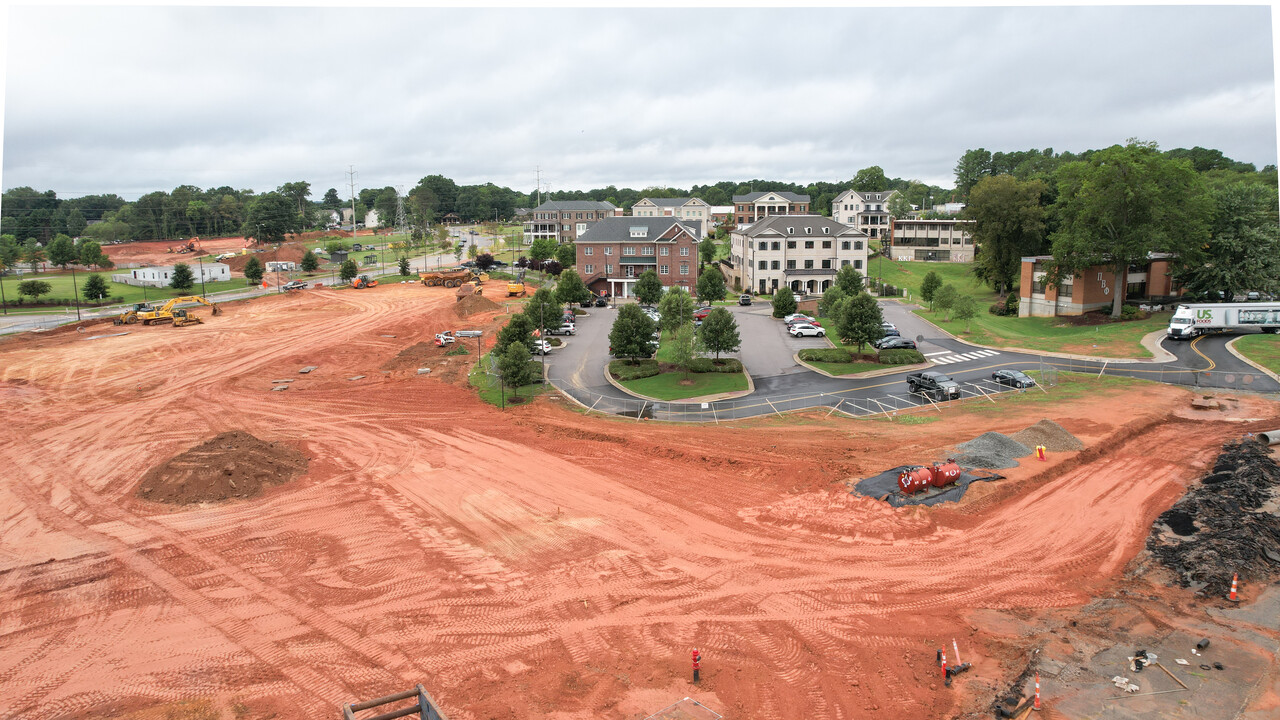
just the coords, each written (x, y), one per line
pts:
(940, 352)
(954, 357)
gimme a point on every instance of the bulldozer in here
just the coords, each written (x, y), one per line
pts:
(149, 314)
(364, 281)
(468, 289)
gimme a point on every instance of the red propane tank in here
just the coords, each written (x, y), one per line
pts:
(945, 474)
(914, 479)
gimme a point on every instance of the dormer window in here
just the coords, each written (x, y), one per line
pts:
(826, 231)
(639, 231)
(808, 231)
(791, 231)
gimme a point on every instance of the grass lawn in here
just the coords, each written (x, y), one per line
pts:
(849, 368)
(1263, 349)
(62, 289)
(910, 274)
(493, 394)
(1117, 339)
(667, 386)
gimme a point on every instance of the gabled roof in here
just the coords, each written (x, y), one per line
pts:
(618, 229)
(789, 197)
(576, 205)
(877, 196)
(778, 224)
(670, 202)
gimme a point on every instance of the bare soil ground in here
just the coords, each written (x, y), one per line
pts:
(156, 252)
(543, 563)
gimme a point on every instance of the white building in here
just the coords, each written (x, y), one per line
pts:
(803, 252)
(866, 211)
(281, 266)
(371, 219)
(163, 275)
(691, 209)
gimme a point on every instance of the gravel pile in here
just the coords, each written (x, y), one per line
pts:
(1224, 524)
(991, 450)
(1050, 434)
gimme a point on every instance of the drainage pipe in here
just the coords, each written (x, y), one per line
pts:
(1270, 437)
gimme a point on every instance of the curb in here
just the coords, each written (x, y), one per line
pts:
(870, 374)
(751, 388)
(1239, 356)
(1048, 353)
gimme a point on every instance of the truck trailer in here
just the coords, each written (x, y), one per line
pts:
(1190, 321)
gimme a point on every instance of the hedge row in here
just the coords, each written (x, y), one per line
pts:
(901, 356)
(622, 370)
(20, 300)
(707, 365)
(831, 355)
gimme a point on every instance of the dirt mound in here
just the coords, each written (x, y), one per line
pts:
(232, 465)
(473, 304)
(1050, 434)
(421, 354)
(1225, 524)
(991, 450)
(288, 252)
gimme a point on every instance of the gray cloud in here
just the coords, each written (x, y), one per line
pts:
(132, 100)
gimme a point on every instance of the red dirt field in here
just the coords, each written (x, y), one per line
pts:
(156, 252)
(537, 563)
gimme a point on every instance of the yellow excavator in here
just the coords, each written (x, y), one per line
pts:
(149, 314)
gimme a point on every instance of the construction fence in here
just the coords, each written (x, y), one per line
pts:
(1249, 381)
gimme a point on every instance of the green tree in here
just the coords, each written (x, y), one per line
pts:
(403, 264)
(784, 302)
(473, 252)
(62, 252)
(33, 254)
(518, 330)
(648, 288)
(334, 246)
(707, 250)
(973, 166)
(682, 352)
(829, 298)
(675, 309)
(1123, 203)
(929, 287)
(95, 288)
(870, 179)
(347, 271)
(570, 289)
(543, 310)
(33, 289)
(1243, 252)
(864, 320)
(711, 287)
(331, 201)
(76, 223)
(631, 333)
(309, 262)
(849, 280)
(457, 252)
(1008, 225)
(719, 332)
(542, 249)
(965, 308)
(91, 254)
(253, 271)
(514, 366)
(567, 254)
(945, 299)
(270, 217)
(183, 278)
(899, 206)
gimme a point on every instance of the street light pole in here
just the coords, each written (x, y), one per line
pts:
(202, 288)
(75, 292)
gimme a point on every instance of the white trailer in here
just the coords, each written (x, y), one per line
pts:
(1190, 321)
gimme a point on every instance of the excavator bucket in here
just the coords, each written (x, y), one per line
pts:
(216, 310)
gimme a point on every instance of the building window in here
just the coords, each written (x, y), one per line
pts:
(608, 250)
(1037, 287)
(791, 231)
(845, 244)
(826, 231)
(808, 264)
(826, 244)
(857, 264)
(777, 246)
(775, 265)
(664, 251)
(664, 269)
(608, 269)
(791, 244)
(684, 268)
(647, 250)
(764, 264)
(629, 250)
(791, 264)
(588, 250)
(1064, 291)
(589, 268)
(857, 245)
(808, 244)
(684, 252)
(843, 263)
(826, 264)
(764, 245)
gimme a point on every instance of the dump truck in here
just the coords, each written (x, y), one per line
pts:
(515, 289)
(148, 314)
(1190, 321)
(450, 278)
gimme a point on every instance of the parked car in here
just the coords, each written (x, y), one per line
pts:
(563, 329)
(357, 247)
(1013, 378)
(541, 347)
(801, 317)
(894, 342)
(701, 313)
(602, 301)
(294, 285)
(744, 299)
(890, 330)
(805, 329)
(934, 384)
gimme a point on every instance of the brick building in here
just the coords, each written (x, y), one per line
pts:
(754, 206)
(1092, 289)
(565, 220)
(802, 252)
(614, 251)
(931, 240)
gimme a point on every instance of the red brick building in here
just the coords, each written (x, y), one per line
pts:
(614, 251)
(1092, 289)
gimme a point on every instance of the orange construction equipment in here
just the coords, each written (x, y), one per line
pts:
(914, 479)
(191, 245)
(364, 281)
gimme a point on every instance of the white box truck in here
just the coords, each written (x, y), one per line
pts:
(1190, 321)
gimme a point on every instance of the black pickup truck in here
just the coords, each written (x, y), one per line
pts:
(933, 384)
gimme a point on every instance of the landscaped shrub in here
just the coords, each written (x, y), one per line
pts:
(1129, 312)
(1006, 307)
(900, 356)
(706, 365)
(642, 369)
(457, 350)
(831, 355)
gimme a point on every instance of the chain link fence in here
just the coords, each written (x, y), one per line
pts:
(1247, 381)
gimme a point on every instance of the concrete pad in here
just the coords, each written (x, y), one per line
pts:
(423, 371)
(308, 369)
(278, 388)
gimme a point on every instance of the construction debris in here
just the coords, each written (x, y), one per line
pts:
(307, 369)
(1223, 526)
(991, 450)
(278, 388)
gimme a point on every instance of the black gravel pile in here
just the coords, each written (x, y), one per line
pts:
(1225, 524)
(991, 450)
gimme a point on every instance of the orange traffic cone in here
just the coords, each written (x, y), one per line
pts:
(944, 666)
(1037, 704)
(1232, 597)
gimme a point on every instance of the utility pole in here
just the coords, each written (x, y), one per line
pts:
(75, 292)
(539, 187)
(351, 173)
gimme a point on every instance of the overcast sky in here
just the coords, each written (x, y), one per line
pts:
(131, 100)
